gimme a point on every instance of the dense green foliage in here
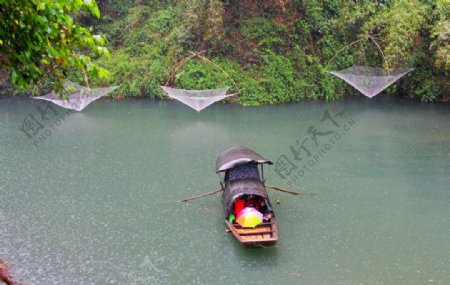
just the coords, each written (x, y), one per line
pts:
(416, 33)
(276, 51)
(40, 39)
(273, 51)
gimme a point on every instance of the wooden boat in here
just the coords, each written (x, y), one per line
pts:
(242, 181)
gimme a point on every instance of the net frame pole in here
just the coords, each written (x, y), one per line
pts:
(199, 55)
(369, 37)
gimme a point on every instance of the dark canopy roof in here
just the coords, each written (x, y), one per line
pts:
(237, 155)
(244, 171)
(237, 188)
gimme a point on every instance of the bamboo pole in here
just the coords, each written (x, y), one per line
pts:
(369, 37)
(199, 55)
(179, 64)
(220, 69)
(347, 46)
(382, 53)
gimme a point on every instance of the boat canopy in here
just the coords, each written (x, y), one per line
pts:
(238, 188)
(244, 171)
(238, 155)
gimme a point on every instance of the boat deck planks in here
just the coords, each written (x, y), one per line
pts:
(263, 234)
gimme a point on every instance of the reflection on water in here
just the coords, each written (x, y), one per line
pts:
(92, 203)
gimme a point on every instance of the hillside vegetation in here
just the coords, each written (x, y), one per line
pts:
(275, 51)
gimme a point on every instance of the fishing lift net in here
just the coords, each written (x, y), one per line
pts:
(76, 97)
(370, 81)
(197, 99)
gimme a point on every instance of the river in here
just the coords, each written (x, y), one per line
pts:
(87, 198)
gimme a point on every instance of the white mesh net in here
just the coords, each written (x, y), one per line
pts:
(370, 80)
(76, 97)
(197, 99)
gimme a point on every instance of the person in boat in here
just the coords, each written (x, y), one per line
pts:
(247, 171)
(239, 205)
(243, 186)
(251, 201)
(240, 172)
(261, 206)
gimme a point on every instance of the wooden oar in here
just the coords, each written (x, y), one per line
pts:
(199, 196)
(287, 191)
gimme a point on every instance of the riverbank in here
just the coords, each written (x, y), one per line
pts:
(270, 53)
(6, 91)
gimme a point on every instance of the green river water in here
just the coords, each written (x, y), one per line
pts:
(86, 198)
